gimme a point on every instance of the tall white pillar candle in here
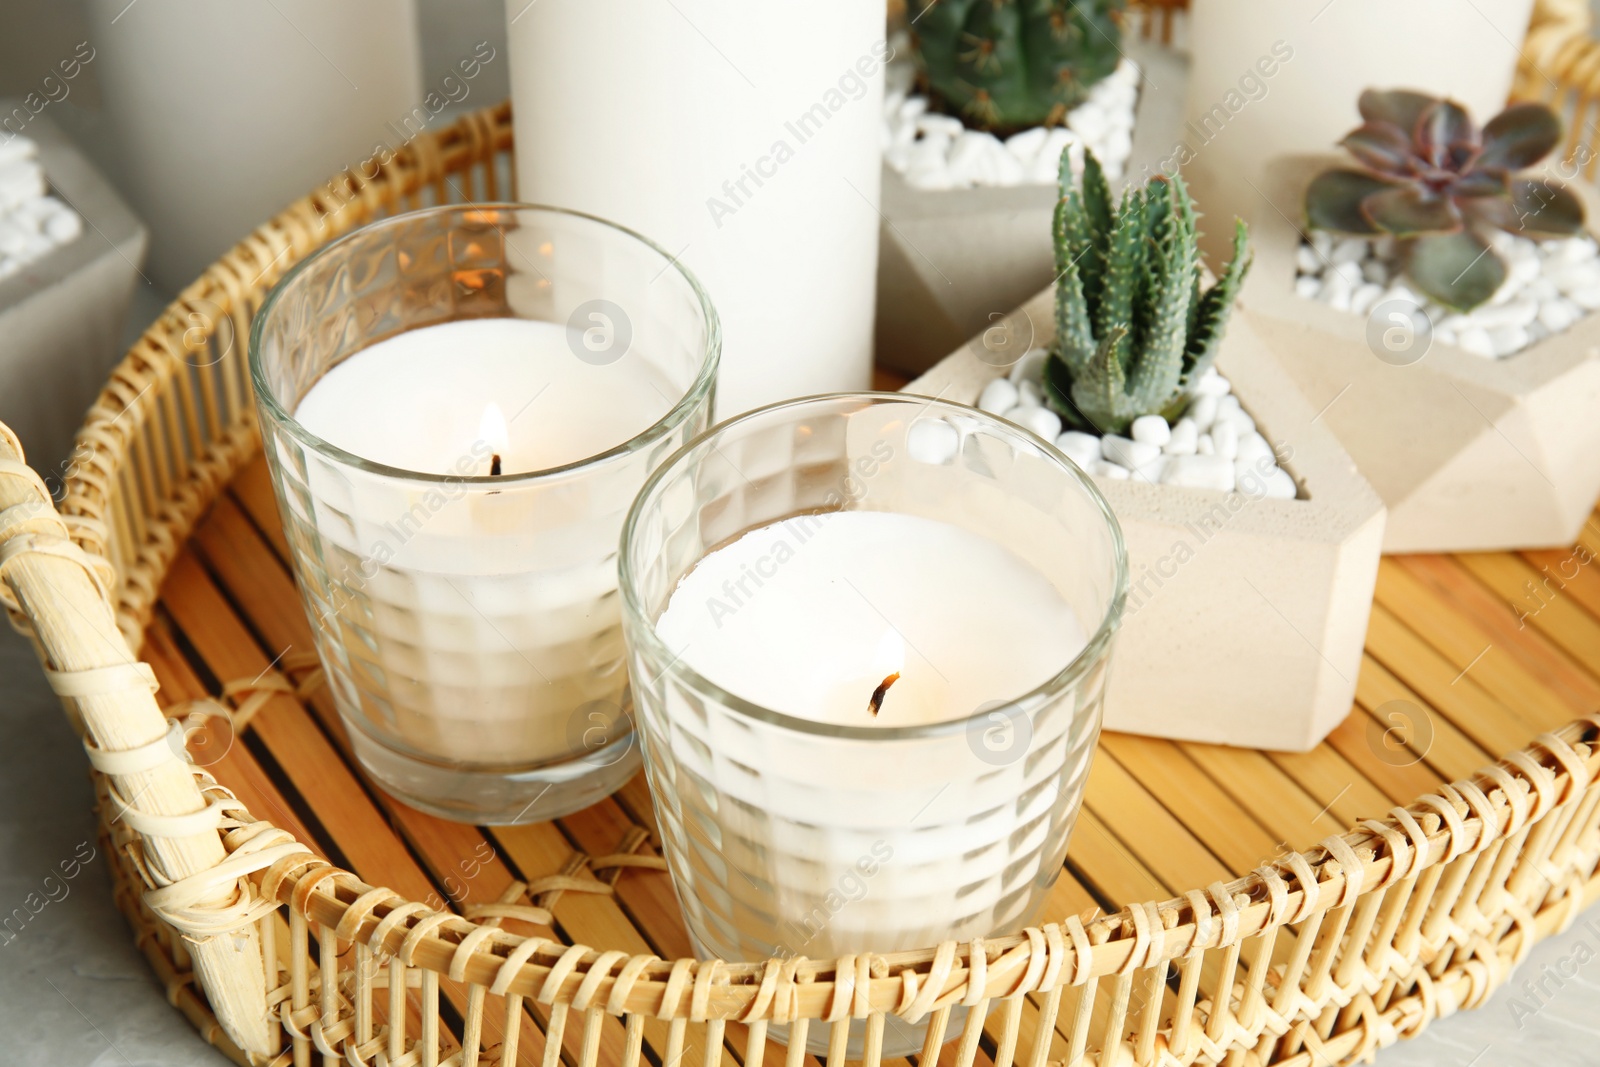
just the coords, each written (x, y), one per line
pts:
(741, 136)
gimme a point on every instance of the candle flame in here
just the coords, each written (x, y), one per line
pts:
(890, 657)
(492, 432)
(492, 428)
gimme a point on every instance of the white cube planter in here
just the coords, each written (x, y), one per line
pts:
(953, 262)
(61, 316)
(1246, 616)
(1469, 453)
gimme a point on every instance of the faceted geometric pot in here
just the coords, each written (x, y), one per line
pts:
(1469, 453)
(1246, 614)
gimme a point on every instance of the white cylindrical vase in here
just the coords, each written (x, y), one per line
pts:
(740, 135)
(1281, 78)
(220, 115)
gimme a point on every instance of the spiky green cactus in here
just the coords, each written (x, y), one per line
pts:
(1133, 327)
(1010, 64)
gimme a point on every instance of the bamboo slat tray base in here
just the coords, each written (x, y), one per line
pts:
(1467, 657)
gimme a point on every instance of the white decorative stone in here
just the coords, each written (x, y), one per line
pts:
(1082, 448)
(1350, 250)
(1504, 340)
(1307, 260)
(1200, 472)
(1203, 412)
(1365, 296)
(1308, 286)
(1476, 340)
(1042, 421)
(1205, 446)
(998, 397)
(933, 441)
(1114, 471)
(1213, 384)
(1028, 395)
(1127, 453)
(1252, 447)
(1225, 438)
(1150, 430)
(1184, 438)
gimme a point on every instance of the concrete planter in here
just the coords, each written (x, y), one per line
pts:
(61, 316)
(1246, 615)
(1469, 453)
(953, 262)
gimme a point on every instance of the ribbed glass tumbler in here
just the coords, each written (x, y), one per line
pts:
(787, 836)
(469, 623)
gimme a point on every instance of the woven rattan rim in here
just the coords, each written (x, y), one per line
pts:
(1395, 922)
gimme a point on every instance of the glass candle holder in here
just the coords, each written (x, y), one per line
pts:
(465, 601)
(786, 835)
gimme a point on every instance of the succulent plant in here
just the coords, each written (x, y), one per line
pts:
(1436, 182)
(1134, 328)
(1009, 64)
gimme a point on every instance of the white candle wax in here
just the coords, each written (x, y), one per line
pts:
(417, 400)
(808, 615)
(839, 847)
(487, 615)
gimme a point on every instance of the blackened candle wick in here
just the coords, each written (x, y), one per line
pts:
(494, 466)
(875, 703)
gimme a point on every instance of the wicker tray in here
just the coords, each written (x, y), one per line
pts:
(250, 877)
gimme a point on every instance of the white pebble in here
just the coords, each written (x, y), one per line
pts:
(1203, 412)
(998, 397)
(1212, 384)
(1225, 436)
(64, 227)
(1042, 421)
(1252, 447)
(1204, 446)
(1335, 292)
(1127, 453)
(1512, 313)
(932, 440)
(1542, 291)
(1558, 314)
(1150, 430)
(1476, 340)
(1082, 448)
(1504, 340)
(1028, 395)
(1584, 274)
(1307, 285)
(1363, 299)
(1026, 145)
(1348, 270)
(1322, 241)
(1184, 438)
(1402, 293)
(1375, 271)
(1113, 471)
(1587, 297)
(932, 123)
(1350, 250)
(1200, 472)
(1280, 486)
(1307, 260)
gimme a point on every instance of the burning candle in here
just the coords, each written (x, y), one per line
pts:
(797, 566)
(453, 487)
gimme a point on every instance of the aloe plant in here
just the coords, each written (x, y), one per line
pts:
(1431, 178)
(1134, 326)
(1010, 64)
